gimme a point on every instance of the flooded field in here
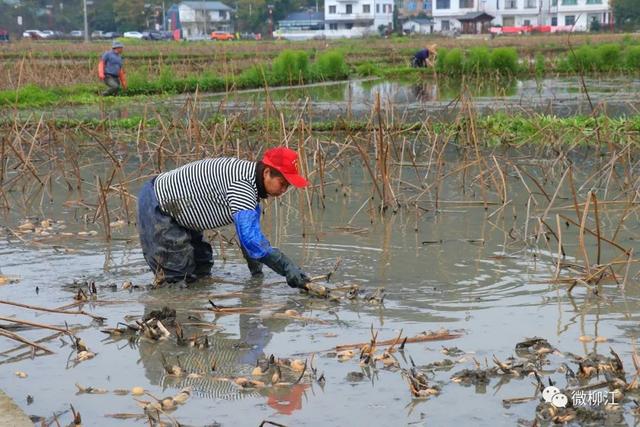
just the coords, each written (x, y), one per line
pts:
(468, 247)
(565, 96)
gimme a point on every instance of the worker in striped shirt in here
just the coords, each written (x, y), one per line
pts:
(175, 207)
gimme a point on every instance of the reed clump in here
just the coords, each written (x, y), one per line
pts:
(453, 62)
(504, 60)
(366, 69)
(477, 61)
(331, 65)
(632, 58)
(290, 67)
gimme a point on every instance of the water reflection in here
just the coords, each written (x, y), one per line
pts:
(355, 99)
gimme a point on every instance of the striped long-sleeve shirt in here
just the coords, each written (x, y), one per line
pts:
(204, 194)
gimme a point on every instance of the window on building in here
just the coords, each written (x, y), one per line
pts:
(508, 21)
(527, 22)
(333, 26)
(569, 2)
(466, 4)
(510, 4)
(445, 25)
(348, 26)
(349, 8)
(443, 4)
(594, 1)
(223, 14)
(366, 8)
(554, 21)
(554, 2)
(332, 10)
(426, 5)
(531, 4)
(378, 8)
(569, 20)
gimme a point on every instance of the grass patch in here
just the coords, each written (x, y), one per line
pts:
(632, 58)
(504, 60)
(290, 67)
(330, 65)
(609, 57)
(477, 61)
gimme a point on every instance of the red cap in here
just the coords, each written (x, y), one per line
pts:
(284, 161)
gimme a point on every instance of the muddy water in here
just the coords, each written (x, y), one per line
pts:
(559, 96)
(470, 277)
(356, 99)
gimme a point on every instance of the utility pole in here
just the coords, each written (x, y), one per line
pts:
(164, 18)
(86, 23)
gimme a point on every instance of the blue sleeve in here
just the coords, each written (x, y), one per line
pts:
(251, 238)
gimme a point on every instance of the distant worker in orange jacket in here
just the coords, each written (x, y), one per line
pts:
(110, 70)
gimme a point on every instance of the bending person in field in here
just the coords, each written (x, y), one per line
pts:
(424, 57)
(175, 207)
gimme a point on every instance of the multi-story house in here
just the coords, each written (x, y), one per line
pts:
(577, 14)
(410, 8)
(356, 18)
(447, 12)
(200, 18)
(580, 13)
(516, 13)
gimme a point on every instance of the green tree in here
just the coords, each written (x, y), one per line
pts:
(101, 16)
(253, 15)
(129, 14)
(626, 13)
(396, 20)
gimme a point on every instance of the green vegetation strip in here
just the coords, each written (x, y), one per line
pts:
(289, 68)
(492, 130)
(294, 67)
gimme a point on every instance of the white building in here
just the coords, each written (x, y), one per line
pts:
(516, 13)
(445, 13)
(418, 26)
(356, 18)
(580, 13)
(200, 18)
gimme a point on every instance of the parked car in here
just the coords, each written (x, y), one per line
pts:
(35, 34)
(76, 34)
(151, 35)
(133, 35)
(221, 35)
(111, 35)
(98, 34)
